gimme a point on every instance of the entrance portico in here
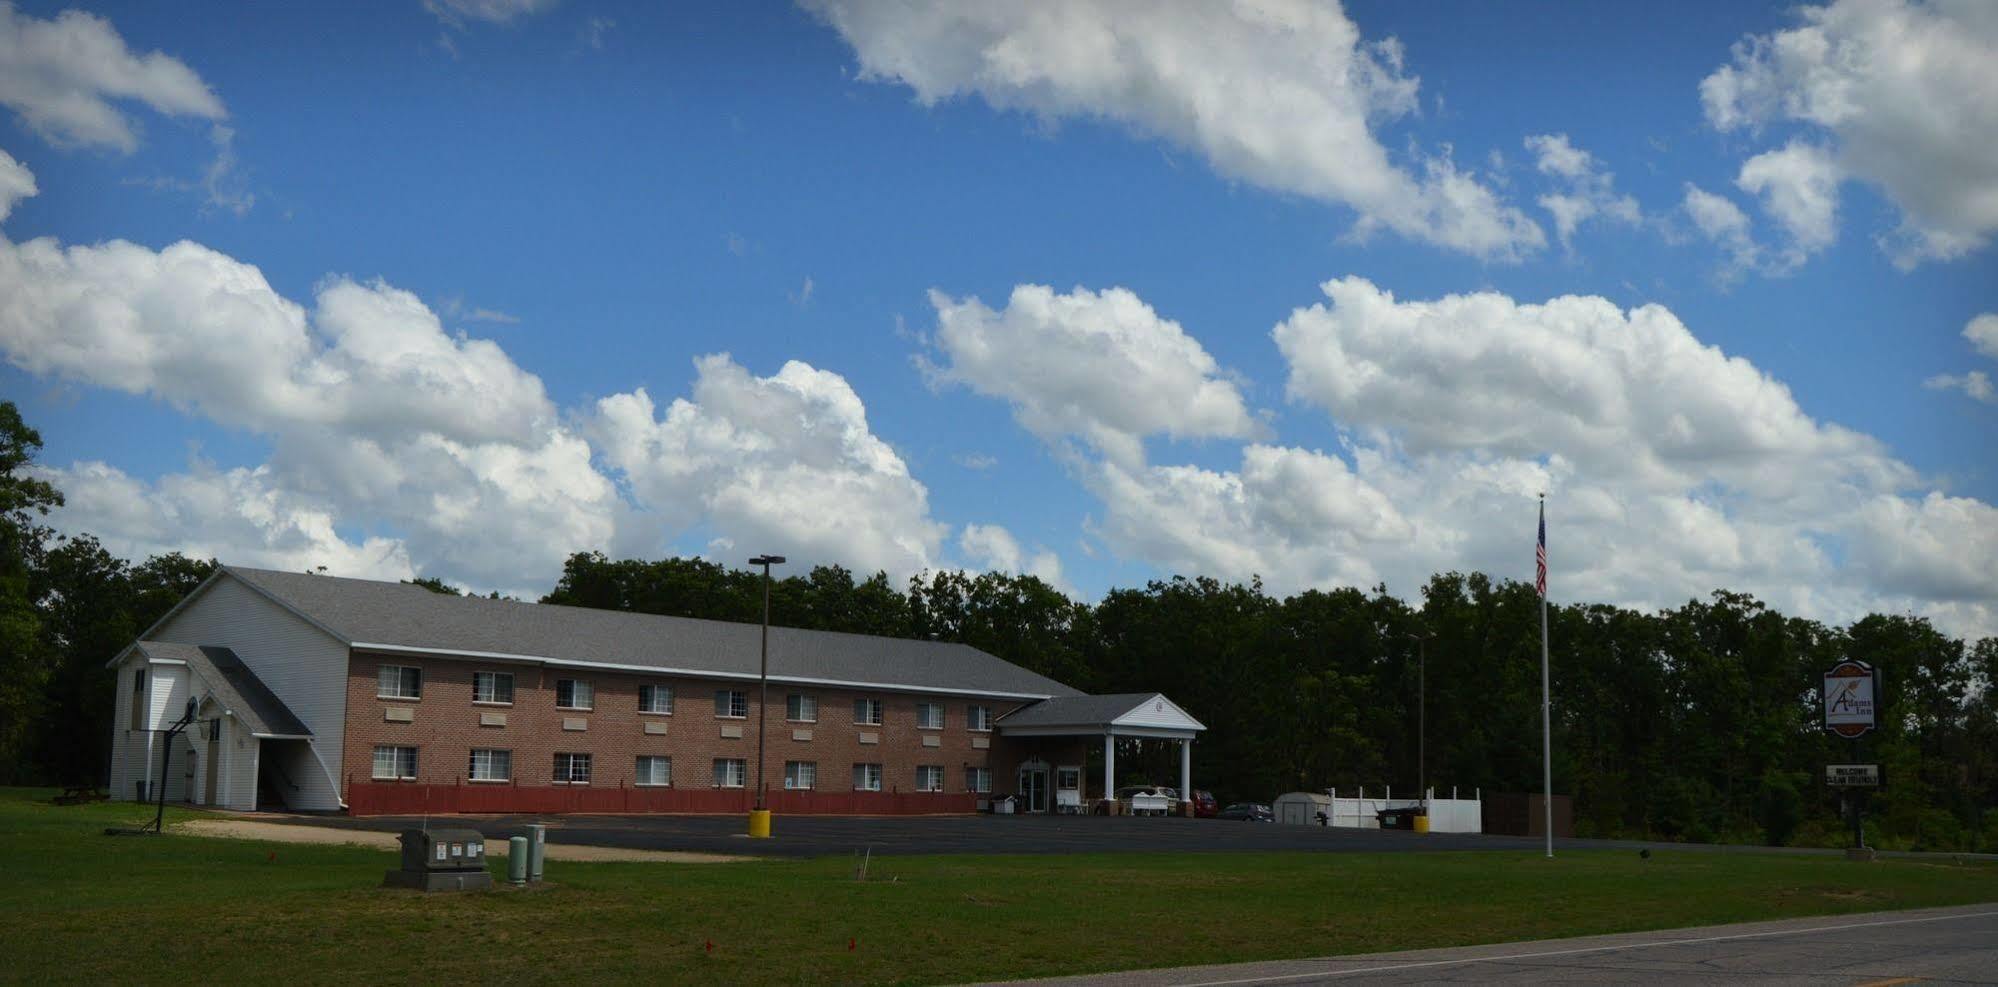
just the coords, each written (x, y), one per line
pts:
(1148, 715)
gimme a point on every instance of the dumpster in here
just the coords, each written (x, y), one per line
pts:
(1403, 819)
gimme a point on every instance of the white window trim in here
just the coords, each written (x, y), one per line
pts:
(476, 701)
(672, 700)
(575, 754)
(375, 766)
(987, 728)
(788, 718)
(943, 718)
(668, 783)
(880, 708)
(812, 766)
(975, 788)
(719, 715)
(508, 780)
(379, 694)
(938, 770)
(880, 777)
(572, 694)
(741, 782)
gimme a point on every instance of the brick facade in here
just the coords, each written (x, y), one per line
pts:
(445, 725)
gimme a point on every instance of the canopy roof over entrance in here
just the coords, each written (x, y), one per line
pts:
(232, 685)
(1131, 714)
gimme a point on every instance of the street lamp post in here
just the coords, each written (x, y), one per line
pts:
(1422, 717)
(759, 819)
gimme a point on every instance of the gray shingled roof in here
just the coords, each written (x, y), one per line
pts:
(1076, 711)
(361, 611)
(234, 686)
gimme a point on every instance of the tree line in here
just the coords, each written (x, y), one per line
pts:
(1698, 722)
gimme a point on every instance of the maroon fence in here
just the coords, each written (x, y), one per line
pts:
(387, 798)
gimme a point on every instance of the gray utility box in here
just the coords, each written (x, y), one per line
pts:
(442, 860)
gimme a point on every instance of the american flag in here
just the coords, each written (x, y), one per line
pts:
(1540, 555)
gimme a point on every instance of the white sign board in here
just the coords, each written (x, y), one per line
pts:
(1849, 698)
(1852, 775)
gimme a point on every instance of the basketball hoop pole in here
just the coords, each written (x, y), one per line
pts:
(166, 758)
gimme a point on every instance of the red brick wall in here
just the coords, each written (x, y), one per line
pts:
(446, 728)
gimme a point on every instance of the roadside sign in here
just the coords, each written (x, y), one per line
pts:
(1849, 698)
(1852, 775)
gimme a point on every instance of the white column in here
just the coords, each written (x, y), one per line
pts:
(1186, 770)
(1109, 766)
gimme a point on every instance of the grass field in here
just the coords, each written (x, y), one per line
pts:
(80, 906)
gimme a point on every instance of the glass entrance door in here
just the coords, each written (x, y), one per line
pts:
(1034, 789)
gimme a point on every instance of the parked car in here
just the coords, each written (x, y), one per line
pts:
(1147, 800)
(1247, 812)
(1204, 806)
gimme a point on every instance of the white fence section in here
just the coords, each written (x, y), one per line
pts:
(1446, 815)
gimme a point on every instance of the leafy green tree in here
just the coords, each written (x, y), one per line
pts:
(24, 661)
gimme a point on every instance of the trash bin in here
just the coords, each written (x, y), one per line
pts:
(1421, 820)
(1003, 807)
(1403, 819)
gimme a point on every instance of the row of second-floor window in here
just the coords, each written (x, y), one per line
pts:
(393, 762)
(406, 682)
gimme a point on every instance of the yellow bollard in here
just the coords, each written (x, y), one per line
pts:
(1421, 823)
(759, 823)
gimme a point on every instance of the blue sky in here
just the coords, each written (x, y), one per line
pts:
(610, 192)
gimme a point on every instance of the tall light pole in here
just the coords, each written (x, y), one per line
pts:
(1422, 716)
(761, 815)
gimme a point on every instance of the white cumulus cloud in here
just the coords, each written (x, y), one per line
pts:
(1587, 189)
(64, 76)
(1798, 186)
(992, 548)
(1284, 94)
(786, 461)
(1906, 93)
(1100, 365)
(1673, 469)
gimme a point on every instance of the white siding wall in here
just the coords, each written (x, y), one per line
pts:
(304, 666)
(135, 753)
(126, 746)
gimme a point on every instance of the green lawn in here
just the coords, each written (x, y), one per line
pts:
(80, 906)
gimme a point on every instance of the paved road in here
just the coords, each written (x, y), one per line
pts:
(1933, 945)
(814, 836)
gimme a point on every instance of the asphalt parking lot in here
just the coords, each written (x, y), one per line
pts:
(817, 836)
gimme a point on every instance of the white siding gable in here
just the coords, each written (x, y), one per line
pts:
(304, 665)
(1159, 712)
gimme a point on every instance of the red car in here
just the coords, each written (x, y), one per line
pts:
(1204, 806)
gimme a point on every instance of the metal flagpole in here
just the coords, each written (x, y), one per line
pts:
(1546, 707)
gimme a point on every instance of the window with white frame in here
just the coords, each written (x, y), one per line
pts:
(978, 780)
(731, 704)
(801, 776)
(655, 699)
(492, 687)
(1068, 779)
(867, 712)
(867, 777)
(490, 765)
(655, 771)
(572, 769)
(929, 777)
(801, 708)
(574, 694)
(930, 716)
(731, 772)
(978, 718)
(400, 682)
(395, 762)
